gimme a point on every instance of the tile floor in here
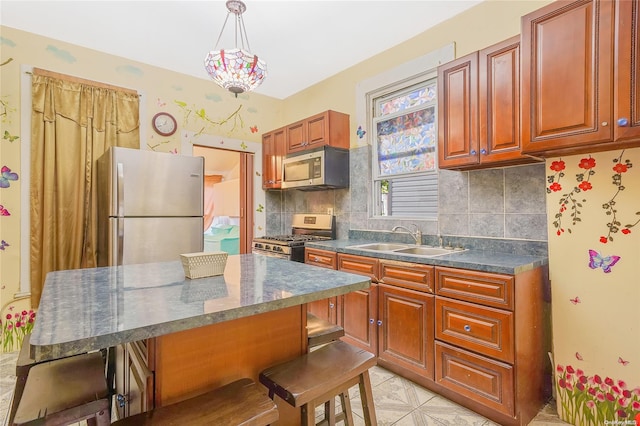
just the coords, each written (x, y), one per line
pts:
(398, 402)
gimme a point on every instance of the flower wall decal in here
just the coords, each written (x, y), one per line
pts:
(620, 167)
(569, 200)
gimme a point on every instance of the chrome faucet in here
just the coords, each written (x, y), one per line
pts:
(417, 235)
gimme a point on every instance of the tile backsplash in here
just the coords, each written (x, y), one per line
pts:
(504, 203)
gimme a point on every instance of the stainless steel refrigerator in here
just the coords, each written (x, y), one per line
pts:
(150, 206)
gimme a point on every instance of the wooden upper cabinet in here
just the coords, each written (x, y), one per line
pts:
(627, 71)
(272, 154)
(327, 128)
(573, 101)
(499, 106)
(479, 109)
(458, 112)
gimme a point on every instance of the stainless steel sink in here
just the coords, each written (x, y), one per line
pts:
(381, 246)
(426, 251)
(406, 249)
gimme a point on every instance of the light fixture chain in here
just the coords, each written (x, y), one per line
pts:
(221, 31)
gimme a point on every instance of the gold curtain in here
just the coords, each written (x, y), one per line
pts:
(72, 124)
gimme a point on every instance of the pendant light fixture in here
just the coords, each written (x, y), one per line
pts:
(237, 70)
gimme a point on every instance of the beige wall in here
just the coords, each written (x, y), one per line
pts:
(485, 24)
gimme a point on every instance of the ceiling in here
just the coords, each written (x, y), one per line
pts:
(303, 42)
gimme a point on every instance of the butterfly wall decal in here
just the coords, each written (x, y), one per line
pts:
(596, 260)
(360, 132)
(9, 137)
(575, 300)
(254, 129)
(3, 244)
(579, 357)
(7, 175)
(622, 361)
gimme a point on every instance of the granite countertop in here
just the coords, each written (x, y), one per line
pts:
(88, 309)
(472, 259)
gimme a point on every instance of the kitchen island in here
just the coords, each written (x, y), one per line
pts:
(197, 334)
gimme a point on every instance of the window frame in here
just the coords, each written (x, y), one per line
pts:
(372, 99)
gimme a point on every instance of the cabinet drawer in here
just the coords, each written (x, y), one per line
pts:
(322, 258)
(488, 331)
(408, 275)
(361, 265)
(478, 287)
(478, 378)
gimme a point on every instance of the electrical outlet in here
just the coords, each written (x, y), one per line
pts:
(330, 210)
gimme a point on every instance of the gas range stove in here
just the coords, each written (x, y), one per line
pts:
(305, 228)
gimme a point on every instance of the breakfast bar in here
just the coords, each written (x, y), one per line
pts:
(195, 335)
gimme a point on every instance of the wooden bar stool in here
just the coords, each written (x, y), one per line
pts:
(321, 375)
(238, 403)
(321, 331)
(65, 391)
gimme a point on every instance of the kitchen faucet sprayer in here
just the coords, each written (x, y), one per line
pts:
(417, 235)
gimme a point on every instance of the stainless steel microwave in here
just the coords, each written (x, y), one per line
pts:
(322, 168)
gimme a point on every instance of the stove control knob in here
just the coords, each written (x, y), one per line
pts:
(278, 248)
(267, 247)
(258, 245)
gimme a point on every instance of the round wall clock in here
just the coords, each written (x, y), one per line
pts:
(164, 124)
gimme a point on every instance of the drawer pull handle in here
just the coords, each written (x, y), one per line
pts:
(379, 322)
(467, 328)
(316, 259)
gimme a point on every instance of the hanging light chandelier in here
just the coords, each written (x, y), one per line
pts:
(237, 70)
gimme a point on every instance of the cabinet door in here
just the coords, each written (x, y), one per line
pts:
(325, 309)
(358, 317)
(499, 103)
(296, 136)
(272, 154)
(406, 329)
(458, 112)
(627, 106)
(567, 85)
(317, 130)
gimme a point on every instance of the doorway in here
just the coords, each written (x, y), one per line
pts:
(228, 199)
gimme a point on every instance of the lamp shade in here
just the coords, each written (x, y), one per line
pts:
(236, 70)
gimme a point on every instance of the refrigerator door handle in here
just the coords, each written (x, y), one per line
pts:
(120, 241)
(120, 190)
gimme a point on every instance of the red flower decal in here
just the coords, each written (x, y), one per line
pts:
(555, 187)
(557, 166)
(603, 240)
(587, 163)
(620, 168)
(585, 186)
(626, 231)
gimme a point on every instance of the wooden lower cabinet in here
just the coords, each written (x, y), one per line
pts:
(405, 330)
(480, 339)
(134, 379)
(476, 377)
(325, 309)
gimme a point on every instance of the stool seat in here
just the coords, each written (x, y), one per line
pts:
(321, 331)
(238, 403)
(65, 391)
(321, 375)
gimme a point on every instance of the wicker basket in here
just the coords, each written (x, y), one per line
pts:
(199, 265)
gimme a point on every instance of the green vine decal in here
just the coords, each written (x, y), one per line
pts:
(613, 226)
(234, 119)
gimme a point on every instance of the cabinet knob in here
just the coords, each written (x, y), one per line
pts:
(622, 122)
(379, 322)
(316, 259)
(605, 123)
(483, 151)
(467, 328)
(122, 400)
(371, 320)
(331, 305)
(473, 152)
